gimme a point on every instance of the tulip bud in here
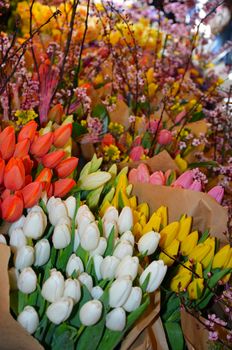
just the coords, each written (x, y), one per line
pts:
(66, 167)
(128, 266)
(31, 194)
(17, 239)
(34, 225)
(108, 226)
(74, 265)
(27, 281)
(61, 236)
(12, 208)
(119, 291)
(94, 180)
(97, 292)
(185, 180)
(164, 137)
(53, 287)
(72, 289)
(28, 131)
(7, 142)
(125, 220)
(109, 266)
(116, 319)
(2, 239)
(24, 257)
(134, 299)
(65, 221)
(13, 275)
(29, 319)
(2, 170)
(70, 204)
(83, 211)
(128, 236)
(97, 260)
(42, 144)
(100, 250)
(86, 280)
(123, 249)
(55, 113)
(111, 214)
(60, 310)
(90, 237)
(51, 160)
(148, 243)
(42, 252)
(157, 271)
(56, 210)
(217, 193)
(45, 176)
(90, 312)
(62, 135)
(17, 224)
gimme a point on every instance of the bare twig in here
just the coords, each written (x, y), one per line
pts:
(32, 48)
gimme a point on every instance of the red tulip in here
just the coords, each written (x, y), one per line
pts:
(7, 142)
(66, 167)
(28, 131)
(49, 190)
(51, 160)
(12, 208)
(44, 176)
(28, 164)
(62, 187)
(5, 194)
(14, 175)
(62, 135)
(107, 140)
(22, 148)
(31, 194)
(42, 144)
(2, 169)
(28, 180)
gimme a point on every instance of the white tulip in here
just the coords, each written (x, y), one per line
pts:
(108, 226)
(56, 210)
(61, 236)
(2, 239)
(125, 220)
(17, 239)
(116, 319)
(24, 257)
(53, 287)
(83, 210)
(74, 265)
(13, 278)
(134, 299)
(128, 236)
(148, 243)
(111, 214)
(70, 203)
(65, 221)
(86, 280)
(42, 252)
(109, 266)
(90, 237)
(38, 209)
(90, 312)
(76, 240)
(101, 248)
(120, 291)
(128, 267)
(34, 225)
(27, 281)
(97, 292)
(60, 310)
(72, 289)
(86, 219)
(17, 224)
(157, 271)
(97, 260)
(29, 319)
(123, 249)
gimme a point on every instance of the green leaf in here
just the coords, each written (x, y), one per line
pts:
(147, 140)
(120, 200)
(86, 296)
(32, 298)
(208, 164)
(78, 130)
(83, 255)
(204, 236)
(22, 301)
(174, 335)
(110, 243)
(43, 206)
(145, 283)
(196, 117)
(169, 305)
(170, 178)
(100, 226)
(63, 338)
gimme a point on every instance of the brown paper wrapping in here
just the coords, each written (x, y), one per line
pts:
(206, 212)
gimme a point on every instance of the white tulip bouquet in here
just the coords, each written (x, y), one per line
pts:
(77, 279)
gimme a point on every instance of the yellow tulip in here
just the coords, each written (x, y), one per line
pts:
(153, 224)
(171, 250)
(152, 88)
(195, 288)
(207, 260)
(189, 243)
(198, 269)
(184, 229)
(144, 209)
(199, 252)
(226, 278)
(142, 220)
(124, 198)
(163, 213)
(129, 189)
(221, 257)
(105, 206)
(168, 234)
(150, 75)
(182, 278)
(136, 216)
(133, 202)
(122, 181)
(181, 163)
(137, 230)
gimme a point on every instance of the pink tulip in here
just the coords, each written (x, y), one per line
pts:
(196, 186)
(132, 177)
(136, 153)
(185, 180)
(217, 193)
(180, 116)
(157, 178)
(164, 137)
(143, 173)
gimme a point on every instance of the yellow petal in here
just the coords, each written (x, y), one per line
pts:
(189, 243)
(198, 269)
(172, 251)
(133, 202)
(207, 260)
(153, 224)
(142, 220)
(144, 209)
(184, 229)
(199, 252)
(168, 234)
(163, 213)
(105, 206)
(195, 288)
(221, 257)
(137, 230)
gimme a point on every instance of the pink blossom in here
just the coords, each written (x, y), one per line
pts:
(136, 153)
(157, 178)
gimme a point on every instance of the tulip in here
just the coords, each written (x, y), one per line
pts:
(28, 164)
(109, 266)
(136, 153)
(45, 176)
(199, 252)
(42, 144)
(53, 287)
(83, 210)
(221, 257)
(61, 236)
(17, 224)
(74, 265)
(2, 239)
(66, 221)
(66, 167)
(34, 225)
(133, 176)
(128, 266)
(63, 187)
(157, 271)
(195, 288)
(189, 243)
(72, 289)
(182, 279)
(70, 204)
(56, 112)
(164, 137)
(97, 292)
(148, 243)
(184, 228)
(111, 214)
(17, 239)
(90, 312)
(94, 180)
(62, 135)
(28, 131)
(42, 252)
(185, 180)
(123, 249)
(97, 260)
(168, 234)
(170, 253)
(7, 142)
(86, 280)
(142, 173)
(22, 148)
(24, 257)
(196, 186)
(27, 281)
(90, 237)
(14, 175)
(29, 319)
(217, 193)
(31, 194)
(2, 170)
(60, 310)
(116, 319)
(119, 291)
(56, 210)
(157, 178)
(100, 250)
(128, 236)
(134, 299)
(125, 220)
(51, 160)
(13, 275)
(12, 208)
(108, 226)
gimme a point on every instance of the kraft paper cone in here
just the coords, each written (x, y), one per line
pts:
(12, 335)
(206, 212)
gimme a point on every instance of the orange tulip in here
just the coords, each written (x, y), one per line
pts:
(62, 135)
(2, 169)
(62, 187)
(28, 131)
(28, 164)
(66, 167)
(28, 180)
(14, 175)
(55, 114)
(44, 176)
(7, 142)
(12, 208)
(51, 160)
(5, 194)
(42, 144)
(22, 148)
(31, 194)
